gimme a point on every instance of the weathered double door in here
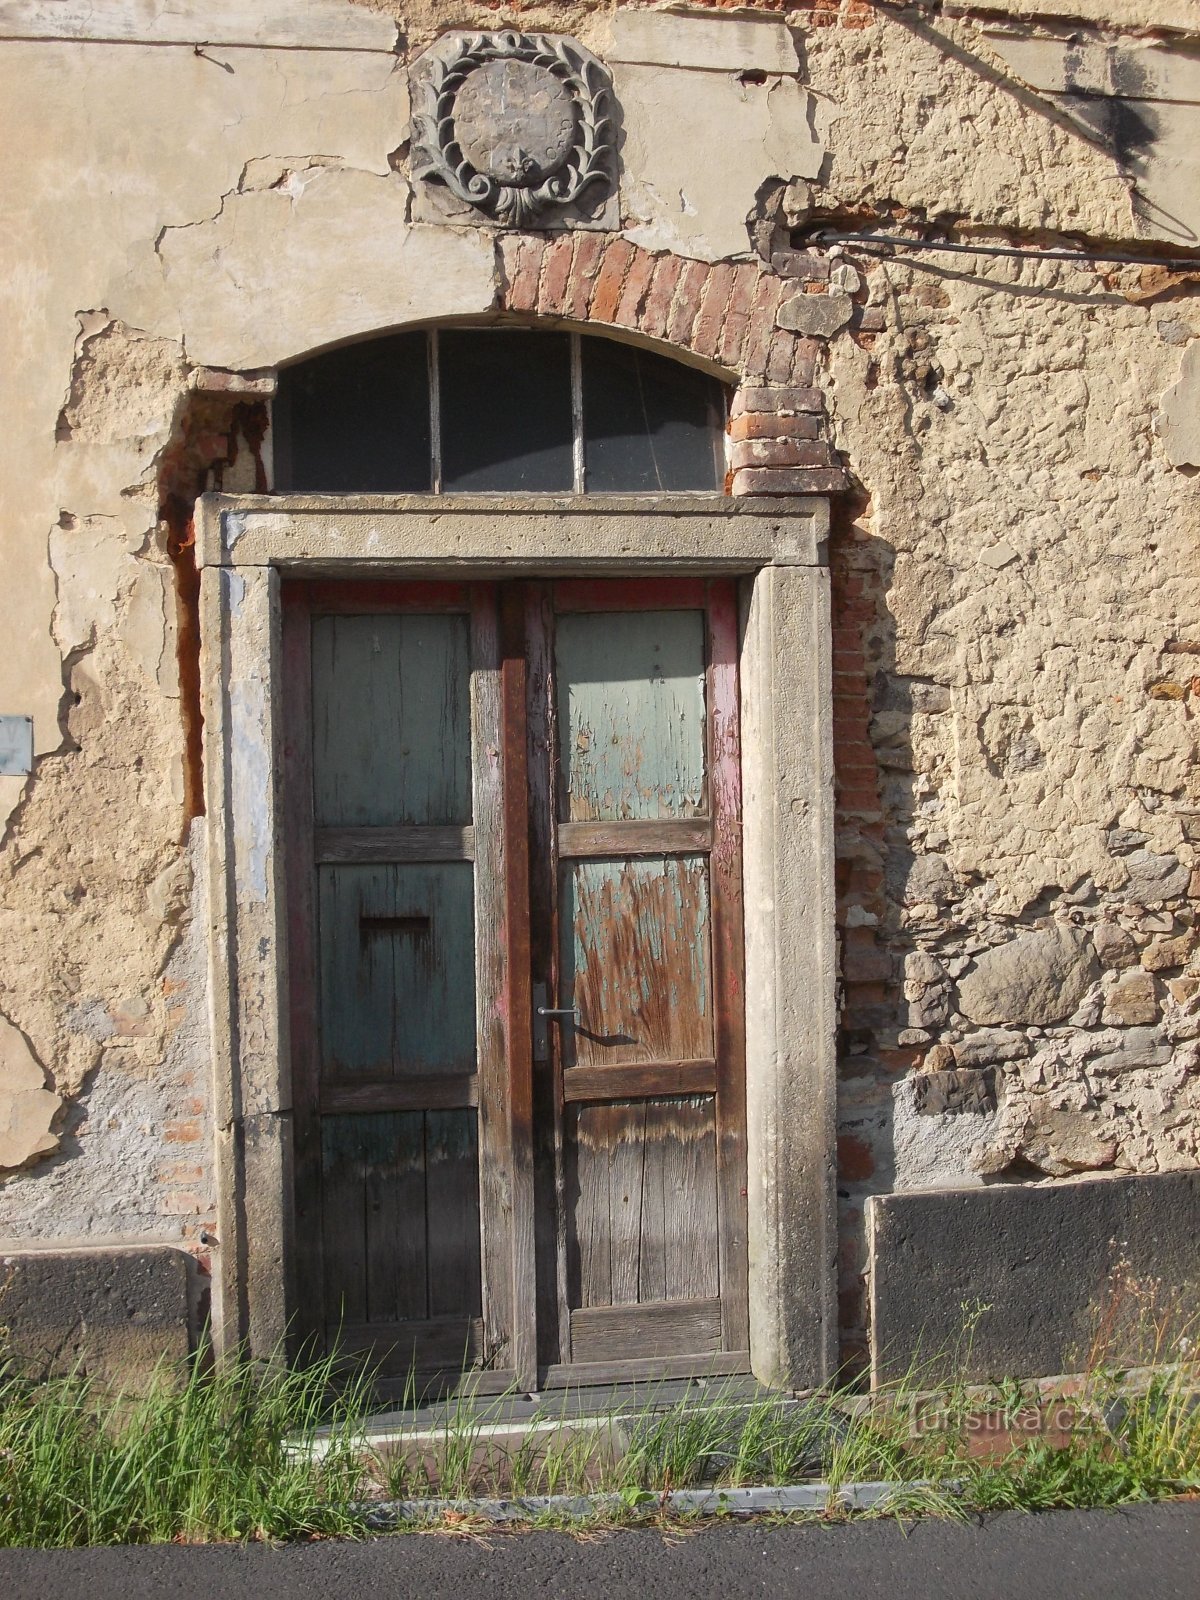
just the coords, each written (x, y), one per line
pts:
(515, 945)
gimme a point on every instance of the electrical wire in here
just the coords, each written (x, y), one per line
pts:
(1177, 264)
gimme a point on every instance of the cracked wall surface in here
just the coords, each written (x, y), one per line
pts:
(1017, 620)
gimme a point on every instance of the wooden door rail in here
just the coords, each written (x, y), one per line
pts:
(418, 1092)
(344, 846)
(671, 836)
(635, 1080)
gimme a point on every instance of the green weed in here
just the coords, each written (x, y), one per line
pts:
(211, 1457)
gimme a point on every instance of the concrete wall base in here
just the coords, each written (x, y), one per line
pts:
(114, 1314)
(1061, 1269)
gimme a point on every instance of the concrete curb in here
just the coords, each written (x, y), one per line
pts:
(755, 1501)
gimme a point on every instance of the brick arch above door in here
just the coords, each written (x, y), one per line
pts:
(723, 314)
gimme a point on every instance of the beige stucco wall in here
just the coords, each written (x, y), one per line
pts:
(1023, 434)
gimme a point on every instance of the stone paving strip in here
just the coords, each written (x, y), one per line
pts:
(750, 1501)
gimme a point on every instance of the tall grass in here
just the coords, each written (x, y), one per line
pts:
(212, 1457)
(248, 1451)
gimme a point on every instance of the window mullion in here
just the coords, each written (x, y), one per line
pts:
(577, 413)
(435, 415)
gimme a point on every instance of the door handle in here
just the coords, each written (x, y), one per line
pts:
(542, 1014)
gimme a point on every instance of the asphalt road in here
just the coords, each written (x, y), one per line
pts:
(1147, 1552)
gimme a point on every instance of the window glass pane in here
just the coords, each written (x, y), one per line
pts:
(648, 423)
(506, 410)
(356, 419)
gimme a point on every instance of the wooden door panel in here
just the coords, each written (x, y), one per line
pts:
(452, 1213)
(619, 1334)
(630, 715)
(397, 961)
(635, 960)
(392, 710)
(391, 719)
(642, 1202)
(400, 1217)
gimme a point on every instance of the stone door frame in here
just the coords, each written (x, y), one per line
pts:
(245, 546)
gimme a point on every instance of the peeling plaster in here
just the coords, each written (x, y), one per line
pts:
(27, 1107)
(697, 149)
(253, 287)
(1178, 422)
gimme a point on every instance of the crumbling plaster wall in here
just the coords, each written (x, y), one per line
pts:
(1018, 615)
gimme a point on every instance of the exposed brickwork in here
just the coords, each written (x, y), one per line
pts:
(213, 431)
(869, 995)
(724, 313)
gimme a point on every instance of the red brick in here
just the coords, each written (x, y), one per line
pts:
(687, 302)
(737, 318)
(667, 272)
(855, 1158)
(805, 355)
(585, 263)
(523, 282)
(510, 258)
(610, 280)
(556, 271)
(710, 324)
(898, 1060)
(762, 425)
(788, 480)
(180, 1172)
(781, 453)
(869, 319)
(862, 802)
(779, 357)
(762, 326)
(182, 1132)
(782, 401)
(637, 284)
(867, 964)
(852, 1306)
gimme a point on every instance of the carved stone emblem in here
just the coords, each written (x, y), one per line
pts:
(516, 126)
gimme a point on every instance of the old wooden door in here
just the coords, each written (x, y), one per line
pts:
(515, 940)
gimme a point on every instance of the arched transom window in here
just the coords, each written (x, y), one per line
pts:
(497, 410)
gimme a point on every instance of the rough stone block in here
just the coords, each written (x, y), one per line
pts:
(1134, 1001)
(115, 1314)
(1048, 1260)
(1037, 978)
(818, 314)
(966, 1089)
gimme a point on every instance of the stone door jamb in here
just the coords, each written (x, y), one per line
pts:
(245, 545)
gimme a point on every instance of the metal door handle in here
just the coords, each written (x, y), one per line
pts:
(541, 1016)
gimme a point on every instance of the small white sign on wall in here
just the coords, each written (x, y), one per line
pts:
(16, 746)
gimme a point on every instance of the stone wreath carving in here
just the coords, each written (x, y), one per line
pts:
(516, 125)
